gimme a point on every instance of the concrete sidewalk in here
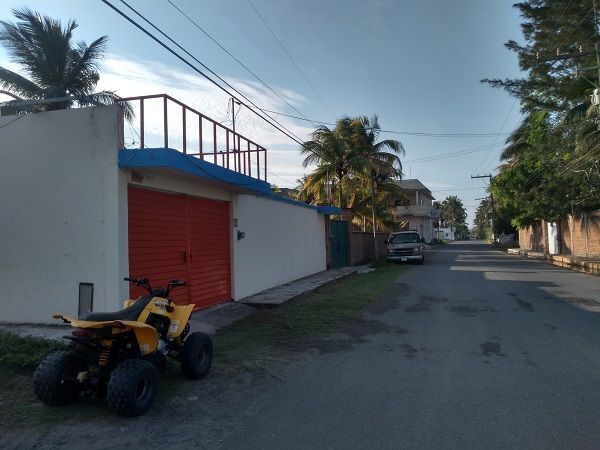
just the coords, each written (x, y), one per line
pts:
(212, 319)
(280, 294)
(580, 264)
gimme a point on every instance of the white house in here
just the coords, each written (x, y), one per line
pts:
(416, 209)
(80, 212)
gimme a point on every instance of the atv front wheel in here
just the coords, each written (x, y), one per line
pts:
(55, 379)
(196, 357)
(132, 387)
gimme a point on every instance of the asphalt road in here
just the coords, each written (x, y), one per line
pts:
(488, 351)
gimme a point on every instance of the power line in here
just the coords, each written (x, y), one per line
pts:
(457, 189)
(272, 121)
(12, 121)
(237, 60)
(560, 17)
(576, 27)
(290, 57)
(410, 133)
(496, 138)
(452, 154)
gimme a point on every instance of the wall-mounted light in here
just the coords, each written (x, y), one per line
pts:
(241, 235)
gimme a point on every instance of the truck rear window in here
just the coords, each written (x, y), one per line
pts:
(406, 238)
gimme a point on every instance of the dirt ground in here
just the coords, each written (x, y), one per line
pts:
(186, 413)
(250, 358)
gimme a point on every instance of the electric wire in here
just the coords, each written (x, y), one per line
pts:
(270, 120)
(238, 61)
(129, 19)
(409, 133)
(13, 121)
(212, 72)
(496, 138)
(453, 154)
(290, 57)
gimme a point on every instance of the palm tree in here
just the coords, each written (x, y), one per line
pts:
(55, 66)
(334, 157)
(379, 160)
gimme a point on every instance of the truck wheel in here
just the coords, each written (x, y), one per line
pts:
(55, 379)
(132, 387)
(196, 357)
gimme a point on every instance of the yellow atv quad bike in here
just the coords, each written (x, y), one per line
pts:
(118, 355)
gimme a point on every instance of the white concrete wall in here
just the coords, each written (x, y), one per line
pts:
(60, 225)
(283, 242)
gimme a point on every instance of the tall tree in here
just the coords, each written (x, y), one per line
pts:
(552, 160)
(334, 157)
(454, 211)
(55, 66)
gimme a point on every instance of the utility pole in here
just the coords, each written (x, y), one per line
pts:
(489, 177)
(596, 44)
(375, 244)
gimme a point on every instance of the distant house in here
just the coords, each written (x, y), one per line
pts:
(446, 233)
(416, 209)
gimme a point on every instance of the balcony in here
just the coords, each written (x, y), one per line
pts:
(414, 210)
(163, 122)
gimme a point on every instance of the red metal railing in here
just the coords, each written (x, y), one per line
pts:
(210, 140)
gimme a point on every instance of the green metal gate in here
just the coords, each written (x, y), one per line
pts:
(339, 243)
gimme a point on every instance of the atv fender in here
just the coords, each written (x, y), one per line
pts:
(146, 336)
(179, 318)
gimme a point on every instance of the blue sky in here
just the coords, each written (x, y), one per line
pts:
(417, 64)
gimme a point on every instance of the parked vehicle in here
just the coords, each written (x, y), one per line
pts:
(118, 355)
(405, 246)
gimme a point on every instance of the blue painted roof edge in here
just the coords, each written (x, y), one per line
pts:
(281, 198)
(173, 159)
(329, 210)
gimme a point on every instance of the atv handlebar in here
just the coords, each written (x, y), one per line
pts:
(160, 291)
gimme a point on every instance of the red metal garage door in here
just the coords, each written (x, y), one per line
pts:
(176, 236)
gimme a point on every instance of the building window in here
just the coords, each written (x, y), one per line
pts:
(403, 202)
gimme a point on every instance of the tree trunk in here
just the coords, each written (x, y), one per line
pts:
(340, 176)
(375, 246)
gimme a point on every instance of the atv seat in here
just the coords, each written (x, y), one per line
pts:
(131, 313)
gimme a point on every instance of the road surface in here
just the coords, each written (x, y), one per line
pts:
(473, 349)
(498, 352)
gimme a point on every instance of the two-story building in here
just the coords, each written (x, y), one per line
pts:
(416, 209)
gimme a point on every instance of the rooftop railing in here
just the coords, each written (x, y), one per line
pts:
(162, 121)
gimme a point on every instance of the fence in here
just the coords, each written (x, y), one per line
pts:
(361, 247)
(162, 121)
(577, 235)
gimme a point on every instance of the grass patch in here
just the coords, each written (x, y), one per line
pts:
(257, 338)
(24, 353)
(312, 314)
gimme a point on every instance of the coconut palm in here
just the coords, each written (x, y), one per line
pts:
(334, 157)
(379, 160)
(55, 66)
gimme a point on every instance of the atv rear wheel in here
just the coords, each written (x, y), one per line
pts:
(196, 357)
(55, 379)
(132, 387)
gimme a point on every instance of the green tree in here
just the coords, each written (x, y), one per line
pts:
(552, 160)
(335, 159)
(453, 210)
(379, 160)
(55, 66)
